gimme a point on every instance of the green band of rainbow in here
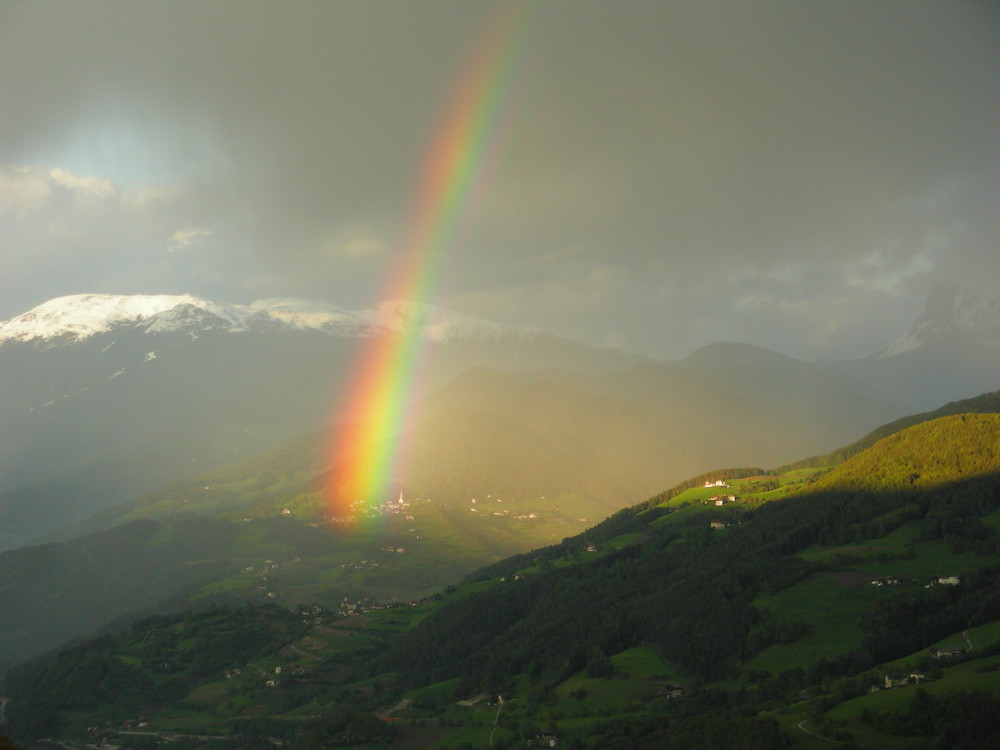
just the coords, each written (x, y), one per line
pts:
(367, 450)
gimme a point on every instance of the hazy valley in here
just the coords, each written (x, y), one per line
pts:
(146, 397)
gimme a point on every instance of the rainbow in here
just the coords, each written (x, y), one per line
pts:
(366, 451)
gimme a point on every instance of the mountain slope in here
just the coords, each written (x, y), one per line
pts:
(952, 351)
(987, 403)
(803, 394)
(650, 630)
(598, 441)
(720, 605)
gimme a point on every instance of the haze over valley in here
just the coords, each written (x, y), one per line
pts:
(112, 397)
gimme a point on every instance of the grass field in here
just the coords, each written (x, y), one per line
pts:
(644, 662)
(831, 611)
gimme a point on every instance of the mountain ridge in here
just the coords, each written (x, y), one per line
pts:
(77, 317)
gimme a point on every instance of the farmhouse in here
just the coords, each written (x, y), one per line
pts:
(896, 679)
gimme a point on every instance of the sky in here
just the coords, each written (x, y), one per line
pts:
(796, 175)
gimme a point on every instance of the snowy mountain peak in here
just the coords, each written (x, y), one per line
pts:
(951, 313)
(77, 317)
(80, 316)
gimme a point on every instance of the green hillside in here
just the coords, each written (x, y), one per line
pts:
(987, 403)
(764, 622)
(280, 548)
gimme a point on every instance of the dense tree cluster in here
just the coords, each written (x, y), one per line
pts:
(960, 720)
(701, 730)
(159, 660)
(689, 592)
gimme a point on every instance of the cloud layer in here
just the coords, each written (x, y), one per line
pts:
(789, 174)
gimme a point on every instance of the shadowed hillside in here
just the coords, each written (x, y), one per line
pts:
(768, 627)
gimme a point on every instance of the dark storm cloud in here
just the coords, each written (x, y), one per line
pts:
(783, 173)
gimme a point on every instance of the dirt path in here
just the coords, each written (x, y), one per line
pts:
(401, 706)
(496, 722)
(809, 731)
(305, 654)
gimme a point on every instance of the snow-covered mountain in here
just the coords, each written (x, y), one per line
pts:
(951, 352)
(77, 317)
(951, 314)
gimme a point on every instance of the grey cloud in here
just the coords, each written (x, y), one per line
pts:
(686, 146)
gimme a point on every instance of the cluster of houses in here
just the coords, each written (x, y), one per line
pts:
(717, 483)
(369, 604)
(943, 581)
(722, 499)
(672, 690)
(475, 501)
(904, 678)
(498, 512)
(364, 564)
(397, 507)
(935, 581)
(891, 581)
(262, 574)
(899, 679)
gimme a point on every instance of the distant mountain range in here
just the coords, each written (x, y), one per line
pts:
(78, 317)
(106, 398)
